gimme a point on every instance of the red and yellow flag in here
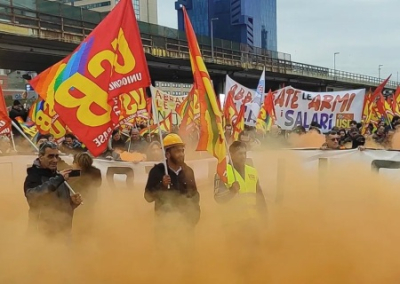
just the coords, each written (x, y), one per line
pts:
(189, 112)
(230, 110)
(238, 123)
(165, 125)
(373, 110)
(84, 87)
(212, 138)
(234, 117)
(266, 117)
(396, 102)
(385, 109)
(5, 121)
(367, 102)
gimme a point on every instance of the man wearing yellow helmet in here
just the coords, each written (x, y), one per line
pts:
(175, 193)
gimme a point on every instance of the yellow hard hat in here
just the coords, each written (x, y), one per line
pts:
(172, 140)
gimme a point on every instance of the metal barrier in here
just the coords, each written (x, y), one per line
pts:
(376, 165)
(55, 21)
(128, 172)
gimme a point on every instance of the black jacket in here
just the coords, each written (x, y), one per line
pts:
(13, 114)
(50, 206)
(181, 197)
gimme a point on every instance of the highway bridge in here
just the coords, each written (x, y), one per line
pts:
(35, 37)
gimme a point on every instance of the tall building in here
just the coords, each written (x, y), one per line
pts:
(145, 10)
(250, 22)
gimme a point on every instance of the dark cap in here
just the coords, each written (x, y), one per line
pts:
(16, 103)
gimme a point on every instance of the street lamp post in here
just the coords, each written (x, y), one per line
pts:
(379, 70)
(334, 64)
(212, 37)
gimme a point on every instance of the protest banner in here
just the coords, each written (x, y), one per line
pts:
(166, 104)
(243, 96)
(297, 107)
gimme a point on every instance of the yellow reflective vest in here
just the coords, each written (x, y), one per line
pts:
(244, 204)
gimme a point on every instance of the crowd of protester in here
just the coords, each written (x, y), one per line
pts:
(138, 143)
(353, 137)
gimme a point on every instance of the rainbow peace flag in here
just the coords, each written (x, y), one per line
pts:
(28, 127)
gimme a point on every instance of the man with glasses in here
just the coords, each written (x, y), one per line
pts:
(51, 207)
(332, 141)
(135, 143)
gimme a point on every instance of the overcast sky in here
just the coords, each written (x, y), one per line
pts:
(365, 32)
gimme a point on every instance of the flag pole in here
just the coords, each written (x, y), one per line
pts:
(37, 149)
(148, 125)
(159, 132)
(12, 140)
(24, 135)
(130, 143)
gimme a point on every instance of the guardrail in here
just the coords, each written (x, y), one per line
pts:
(166, 42)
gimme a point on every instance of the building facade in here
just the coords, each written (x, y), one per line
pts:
(175, 89)
(145, 10)
(250, 22)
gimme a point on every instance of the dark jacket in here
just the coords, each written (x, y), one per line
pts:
(50, 206)
(87, 185)
(13, 114)
(182, 196)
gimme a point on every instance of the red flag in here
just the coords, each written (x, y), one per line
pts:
(149, 107)
(5, 121)
(238, 124)
(84, 87)
(379, 89)
(131, 106)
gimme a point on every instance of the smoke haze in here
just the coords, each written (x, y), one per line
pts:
(337, 226)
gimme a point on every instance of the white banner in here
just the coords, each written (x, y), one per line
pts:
(253, 108)
(297, 107)
(242, 95)
(165, 104)
(205, 169)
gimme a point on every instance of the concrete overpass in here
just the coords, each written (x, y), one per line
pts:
(32, 40)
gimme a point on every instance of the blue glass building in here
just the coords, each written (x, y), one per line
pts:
(252, 22)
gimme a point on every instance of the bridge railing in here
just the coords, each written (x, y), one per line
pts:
(54, 20)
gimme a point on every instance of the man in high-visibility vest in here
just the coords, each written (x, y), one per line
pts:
(243, 190)
(243, 212)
